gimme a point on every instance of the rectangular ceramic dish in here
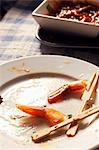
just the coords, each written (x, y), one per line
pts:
(41, 15)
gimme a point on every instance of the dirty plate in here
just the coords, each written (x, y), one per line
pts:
(28, 81)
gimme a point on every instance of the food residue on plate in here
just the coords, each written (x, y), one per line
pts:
(68, 62)
(1, 99)
(20, 70)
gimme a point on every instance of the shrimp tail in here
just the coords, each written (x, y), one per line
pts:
(52, 116)
(59, 94)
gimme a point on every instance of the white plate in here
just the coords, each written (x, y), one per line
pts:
(47, 73)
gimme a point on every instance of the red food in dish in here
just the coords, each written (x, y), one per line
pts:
(78, 11)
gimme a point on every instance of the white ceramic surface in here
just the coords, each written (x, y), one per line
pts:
(12, 78)
(64, 25)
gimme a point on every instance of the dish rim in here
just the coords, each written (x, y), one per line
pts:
(48, 43)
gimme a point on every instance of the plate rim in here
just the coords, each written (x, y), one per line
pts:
(37, 56)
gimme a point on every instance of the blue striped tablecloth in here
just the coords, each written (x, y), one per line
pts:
(17, 32)
(17, 36)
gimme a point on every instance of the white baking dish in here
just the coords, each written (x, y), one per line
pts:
(40, 14)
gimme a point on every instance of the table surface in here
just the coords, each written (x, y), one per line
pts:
(17, 37)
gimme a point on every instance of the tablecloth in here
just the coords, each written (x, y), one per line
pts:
(17, 37)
